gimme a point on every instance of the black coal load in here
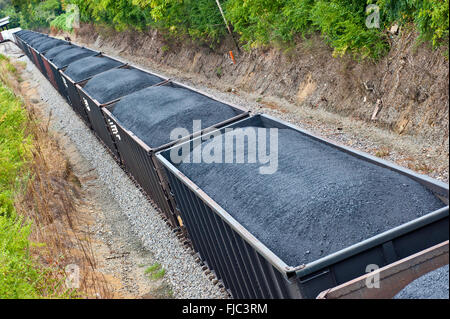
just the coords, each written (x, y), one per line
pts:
(320, 200)
(116, 83)
(36, 41)
(63, 59)
(52, 53)
(87, 67)
(32, 41)
(31, 36)
(48, 44)
(434, 285)
(152, 113)
(22, 33)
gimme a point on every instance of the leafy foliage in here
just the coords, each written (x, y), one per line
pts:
(431, 17)
(65, 21)
(342, 23)
(4, 4)
(258, 22)
(121, 14)
(30, 14)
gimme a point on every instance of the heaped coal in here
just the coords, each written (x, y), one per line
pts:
(30, 36)
(48, 44)
(154, 112)
(87, 67)
(112, 84)
(63, 59)
(50, 54)
(37, 40)
(22, 34)
(319, 201)
(433, 285)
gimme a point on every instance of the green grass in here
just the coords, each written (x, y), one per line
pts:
(19, 277)
(155, 271)
(159, 274)
(15, 146)
(153, 268)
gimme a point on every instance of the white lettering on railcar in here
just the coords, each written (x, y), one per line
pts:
(114, 129)
(86, 104)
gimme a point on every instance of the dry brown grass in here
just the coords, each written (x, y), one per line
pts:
(382, 152)
(52, 200)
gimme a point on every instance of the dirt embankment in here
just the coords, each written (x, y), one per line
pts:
(408, 88)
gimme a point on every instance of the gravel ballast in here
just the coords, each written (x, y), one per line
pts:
(319, 201)
(152, 113)
(66, 57)
(434, 285)
(112, 84)
(87, 67)
(183, 274)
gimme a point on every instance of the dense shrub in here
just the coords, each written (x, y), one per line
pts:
(120, 14)
(262, 22)
(342, 23)
(14, 16)
(431, 17)
(31, 14)
(65, 21)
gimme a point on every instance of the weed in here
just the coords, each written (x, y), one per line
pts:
(383, 152)
(155, 271)
(219, 72)
(165, 48)
(159, 274)
(153, 268)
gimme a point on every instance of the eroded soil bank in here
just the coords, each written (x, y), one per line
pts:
(411, 81)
